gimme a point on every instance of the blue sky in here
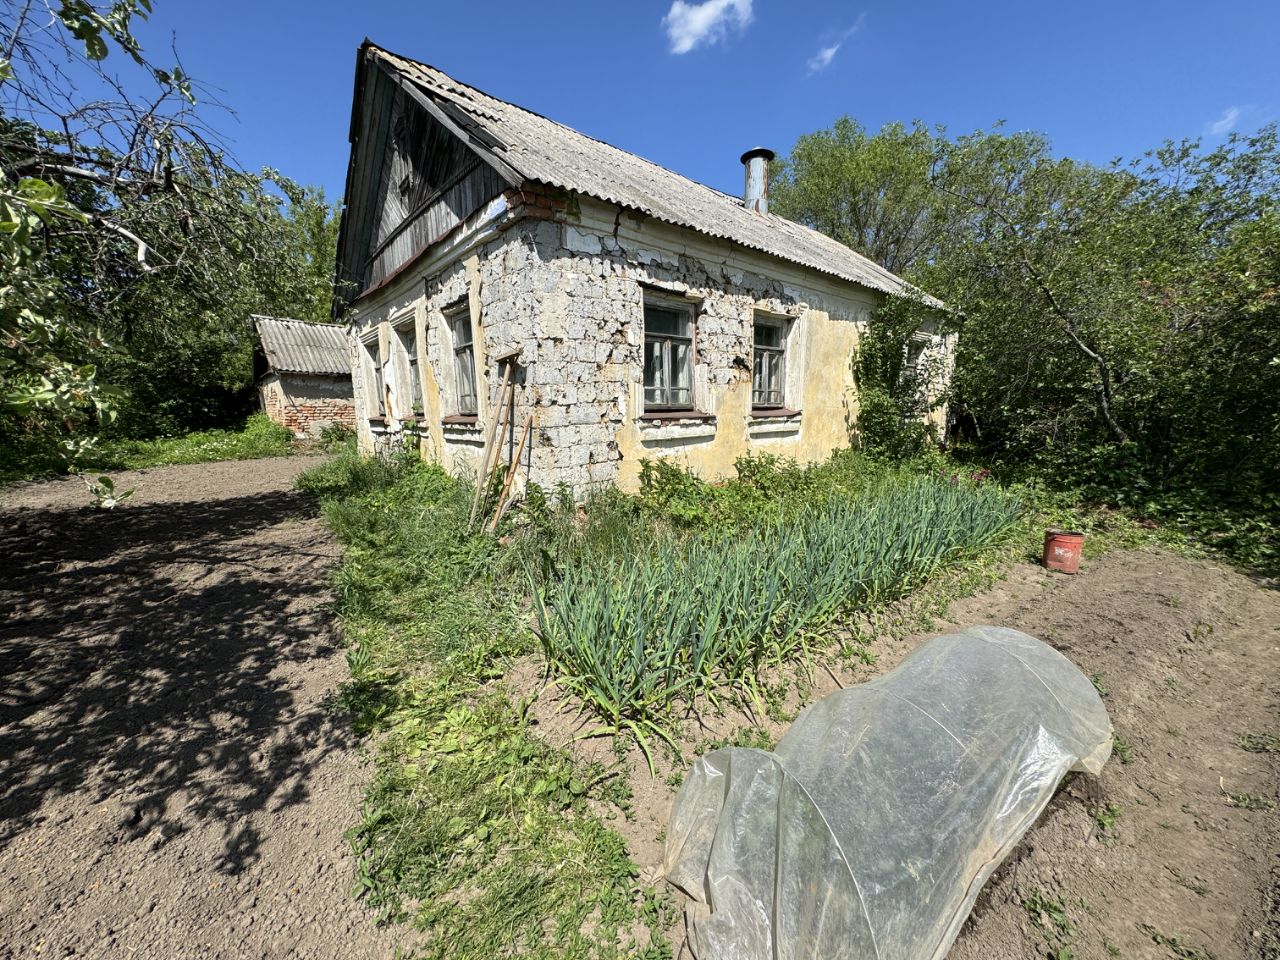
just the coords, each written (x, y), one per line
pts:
(692, 84)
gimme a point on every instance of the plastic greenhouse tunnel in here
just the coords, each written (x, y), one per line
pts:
(869, 831)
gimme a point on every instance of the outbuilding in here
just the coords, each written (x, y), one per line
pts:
(303, 374)
(634, 313)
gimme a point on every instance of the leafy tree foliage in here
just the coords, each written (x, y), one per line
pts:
(1118, 323)
(134, 252)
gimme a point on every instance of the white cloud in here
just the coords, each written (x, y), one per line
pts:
(1225, 123)
(822, 59)
(690, 25)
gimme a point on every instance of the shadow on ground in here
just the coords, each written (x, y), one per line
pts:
(141, 655)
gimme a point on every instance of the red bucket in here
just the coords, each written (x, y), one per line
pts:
(1062, 550)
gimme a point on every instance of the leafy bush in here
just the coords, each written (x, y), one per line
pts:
(260, 437)
(334, 436)
(766, 488)
(883, 428)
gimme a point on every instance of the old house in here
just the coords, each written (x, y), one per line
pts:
(640, 314)
(303, 374)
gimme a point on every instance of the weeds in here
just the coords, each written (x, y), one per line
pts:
(1122, 750)
(1250, 801)
(754, 737)
(1178, 948)
(1106, 817)
(1259, 743)
(1049, 915)
(473, 828)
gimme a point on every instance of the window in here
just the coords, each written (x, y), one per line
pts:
(464, 362)
(915, 373)
(375, 402)
(409, 344)
(769, 355)
(668, 356)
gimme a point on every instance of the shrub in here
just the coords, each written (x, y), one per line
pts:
(884, 429)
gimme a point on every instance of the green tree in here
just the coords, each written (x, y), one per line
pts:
(134, 252)
(1119, 320)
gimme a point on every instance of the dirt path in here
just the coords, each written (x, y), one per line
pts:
(172, 783)
(1189, 654)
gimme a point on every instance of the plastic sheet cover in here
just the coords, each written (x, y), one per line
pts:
(870, 829)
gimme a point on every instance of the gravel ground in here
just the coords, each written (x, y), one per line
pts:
(173, 782)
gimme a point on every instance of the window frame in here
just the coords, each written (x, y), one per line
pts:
(915, 370)
(689, 309)
(371, 345)
(783, 326)
(406, 330)
(454, 318)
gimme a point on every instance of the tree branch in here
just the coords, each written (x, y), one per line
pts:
(1068, 321)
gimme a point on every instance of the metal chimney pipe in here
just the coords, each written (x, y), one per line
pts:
(755, 195)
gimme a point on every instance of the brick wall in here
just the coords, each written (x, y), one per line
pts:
(307, 404)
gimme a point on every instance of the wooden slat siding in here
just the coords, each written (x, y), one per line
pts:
(450, 182)
(454, 176)
(421, 207)
(456, 204)
(421, 150)
(362, 209)
(392, 166)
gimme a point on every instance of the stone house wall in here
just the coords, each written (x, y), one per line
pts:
(306, 403)
(568, 291)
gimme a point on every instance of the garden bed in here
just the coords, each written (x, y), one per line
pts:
(507, 818)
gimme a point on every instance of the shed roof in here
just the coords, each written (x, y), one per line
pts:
(541, 150)
(296, 346)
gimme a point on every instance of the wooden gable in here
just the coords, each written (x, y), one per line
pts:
(411, 179)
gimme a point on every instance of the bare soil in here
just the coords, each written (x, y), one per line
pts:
(173, 782)
(1189, 654)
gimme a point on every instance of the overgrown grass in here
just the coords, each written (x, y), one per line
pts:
(259, 437)
(475, 830)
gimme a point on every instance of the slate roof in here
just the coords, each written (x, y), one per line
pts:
(547, 152)
(295, 346)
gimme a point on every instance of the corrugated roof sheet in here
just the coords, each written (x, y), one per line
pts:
(551, 153)
(296, 346)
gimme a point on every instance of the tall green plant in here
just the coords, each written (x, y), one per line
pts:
(637, 632)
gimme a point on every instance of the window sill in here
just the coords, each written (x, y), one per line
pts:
(773, 413)
(676, 427)
(773, 424)
(666, 416)
(462, 428)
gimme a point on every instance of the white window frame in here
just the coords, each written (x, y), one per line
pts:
(371, 357)
(668, 340)
(459, 317)
(758, 352)
(405, 329)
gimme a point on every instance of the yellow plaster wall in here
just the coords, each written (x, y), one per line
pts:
(827, 413)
